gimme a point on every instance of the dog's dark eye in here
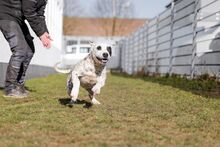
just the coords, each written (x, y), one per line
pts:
(99, 48)
(109, 49)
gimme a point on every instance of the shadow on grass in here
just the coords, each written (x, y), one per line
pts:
(205, 88)
(66, 102)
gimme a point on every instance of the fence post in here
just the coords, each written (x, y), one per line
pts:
(171, 38)
(125, 55)
(142, 48)
(128, 54)
(194, 48)
(146, 49)
(131, 53)
(121, 48)
(157, 45)
(137, 42)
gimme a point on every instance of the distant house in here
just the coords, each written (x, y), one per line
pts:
(82, 30)
(100, 27)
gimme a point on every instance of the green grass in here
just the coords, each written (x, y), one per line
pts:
(134, 112)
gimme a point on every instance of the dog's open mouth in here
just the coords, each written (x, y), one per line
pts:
(103, 60)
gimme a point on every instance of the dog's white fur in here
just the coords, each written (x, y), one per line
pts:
(90, 73)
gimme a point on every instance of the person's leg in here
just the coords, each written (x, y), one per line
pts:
(29, 55)
(19, 46)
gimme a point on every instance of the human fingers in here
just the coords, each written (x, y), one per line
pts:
(49, 37)
(48, 43)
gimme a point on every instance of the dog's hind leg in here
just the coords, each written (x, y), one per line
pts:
(75, 89)
(94, 100)
(69, 85)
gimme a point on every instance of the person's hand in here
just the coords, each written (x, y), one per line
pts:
(46, 40)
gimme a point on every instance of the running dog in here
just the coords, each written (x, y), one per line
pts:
(90, 73)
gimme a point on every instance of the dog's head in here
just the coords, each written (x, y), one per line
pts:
(102, 52)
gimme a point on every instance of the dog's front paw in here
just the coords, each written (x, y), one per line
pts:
(96, 90)
(95, 102)
(71, 102)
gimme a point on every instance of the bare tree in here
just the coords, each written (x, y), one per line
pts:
(111, 11)
(72, 8)
(114, 8)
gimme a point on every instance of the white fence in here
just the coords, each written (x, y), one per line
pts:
(184, 39)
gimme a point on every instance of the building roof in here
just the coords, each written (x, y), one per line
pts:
(74, 26)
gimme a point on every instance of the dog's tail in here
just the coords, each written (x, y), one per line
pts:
(61, 70)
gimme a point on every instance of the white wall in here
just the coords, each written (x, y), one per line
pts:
(54, 19)
(43, 57)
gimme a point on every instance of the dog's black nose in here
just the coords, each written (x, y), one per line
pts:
(105, 55)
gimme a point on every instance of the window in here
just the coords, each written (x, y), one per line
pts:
(71, 50)
(84, 50)
(84, 42)
(72, 42)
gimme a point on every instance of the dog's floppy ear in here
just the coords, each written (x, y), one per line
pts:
(109, 49)
(91, 43)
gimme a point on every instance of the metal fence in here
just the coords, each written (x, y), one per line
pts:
(184, 39)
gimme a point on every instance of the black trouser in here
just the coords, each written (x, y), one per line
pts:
(22, 48)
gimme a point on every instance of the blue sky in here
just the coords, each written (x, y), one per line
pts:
(149, 8)
(143, 8)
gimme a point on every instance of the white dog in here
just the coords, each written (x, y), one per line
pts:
(90, 73)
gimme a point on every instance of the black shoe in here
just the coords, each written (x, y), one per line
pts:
(23, 89)
(14, 93)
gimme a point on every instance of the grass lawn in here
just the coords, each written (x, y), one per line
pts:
(134, 112)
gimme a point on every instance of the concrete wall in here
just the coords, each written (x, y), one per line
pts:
(34, 71)
(44, 59)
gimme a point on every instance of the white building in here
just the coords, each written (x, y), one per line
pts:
(80, 31)
(44, 59)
